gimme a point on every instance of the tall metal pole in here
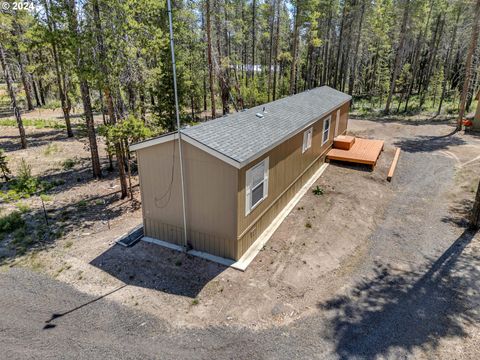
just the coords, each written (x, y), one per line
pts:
(172, 48)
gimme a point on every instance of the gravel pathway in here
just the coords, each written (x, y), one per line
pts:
(416, 295)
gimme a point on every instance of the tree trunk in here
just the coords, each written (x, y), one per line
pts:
(398, 56)
(221, 73)
(468, 67)
(253, 37)
(56, 58)
(92, 138)
(209, 56)
(11, 91)
(204, 77)
(475, 215)
(108, 97)
(447, 66)
(34, 85)
(25, 81)
(293, 69)
(353, 70)
(84, 90)
(340, 39)
(42, 91)
(416, 56)
(275, 54)
(432, 56)
(17, 33)
(271, 49)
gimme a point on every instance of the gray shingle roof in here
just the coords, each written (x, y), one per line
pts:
(242, 136)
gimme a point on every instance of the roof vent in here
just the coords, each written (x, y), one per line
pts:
(259, 115)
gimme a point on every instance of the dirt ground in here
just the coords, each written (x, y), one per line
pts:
(324, 246)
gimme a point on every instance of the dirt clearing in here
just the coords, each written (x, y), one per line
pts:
(325, 245)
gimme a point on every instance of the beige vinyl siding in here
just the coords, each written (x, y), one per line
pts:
(211, 198)
(289, 170)
(342, 127)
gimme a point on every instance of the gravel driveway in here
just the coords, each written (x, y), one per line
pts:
(416, 294)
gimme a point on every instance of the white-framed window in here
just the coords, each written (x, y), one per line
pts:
(326, 129)
(307, 140)
(256, 185)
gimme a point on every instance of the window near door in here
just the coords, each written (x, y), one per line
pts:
(307, 140)
(326, 130)
(256, 185)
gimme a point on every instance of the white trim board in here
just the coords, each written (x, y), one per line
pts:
(258, 245)
(201, 254)
(155, 141)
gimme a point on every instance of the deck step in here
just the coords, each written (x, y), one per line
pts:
(363, 151)
(343, 142)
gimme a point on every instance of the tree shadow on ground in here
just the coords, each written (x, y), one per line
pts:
(398, 311)
(459, 213)
(151, 266)
(42, 227)
(67, 180)
(352, 166)
(429, 143)
(400, 119)
(40, 137)
(12, 142)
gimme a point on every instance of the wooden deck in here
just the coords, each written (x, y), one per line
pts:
(363, 151)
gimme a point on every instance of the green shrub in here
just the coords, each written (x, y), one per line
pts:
(25, 184)
(82, 203)
(5, 171)
(68, 164)
(11, 222)
(318, 191)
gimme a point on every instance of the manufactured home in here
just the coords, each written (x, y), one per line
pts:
(240, 171)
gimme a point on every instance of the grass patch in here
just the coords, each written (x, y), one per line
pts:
(51, 149)
(195, 302)
(68, 164)
(52, 104)
(82, 203)
(22, 207)
(308, 225)
(37, 123)
(46, 197)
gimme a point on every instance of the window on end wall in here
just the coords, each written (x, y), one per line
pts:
(307, 140)
(256, 185)
(326, 130)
